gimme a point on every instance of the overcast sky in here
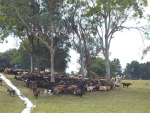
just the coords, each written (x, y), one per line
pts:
(126, 46)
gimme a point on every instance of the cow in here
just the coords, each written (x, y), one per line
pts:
(105, 88)
(0, 81)
(48, 92)
(126, 84)
(35, 95)
(11, 92)
(36, 90)
(89, 88)
(117, 86)
(78, 92)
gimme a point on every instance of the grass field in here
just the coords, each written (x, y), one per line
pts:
(135, 99)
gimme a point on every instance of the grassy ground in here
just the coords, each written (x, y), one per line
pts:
(135, 99)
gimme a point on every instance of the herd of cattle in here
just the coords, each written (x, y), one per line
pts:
(63, 84)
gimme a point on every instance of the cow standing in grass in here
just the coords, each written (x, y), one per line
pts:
(11, 92)
(35, 95)
(126, 84)
(0, 81)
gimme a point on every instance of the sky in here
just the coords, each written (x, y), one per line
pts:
(127, 46)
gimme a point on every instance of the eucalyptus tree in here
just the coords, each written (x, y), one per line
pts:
(14, 27)
(84, 43)
(48, 25)
(109, 16)
(72, 13)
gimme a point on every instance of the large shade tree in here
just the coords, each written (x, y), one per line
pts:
(109, 16)
(47, 25)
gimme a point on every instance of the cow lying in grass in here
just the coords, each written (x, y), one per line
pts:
(126, 84)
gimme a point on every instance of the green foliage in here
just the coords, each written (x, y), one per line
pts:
(94, 75)
(7, 57)
(23, 58)
(42, 56)
(135, 70)
(145, 51)
(118, 68)
(15, 61)
(98, 67)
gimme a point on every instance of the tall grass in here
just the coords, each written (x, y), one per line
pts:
(134, 99)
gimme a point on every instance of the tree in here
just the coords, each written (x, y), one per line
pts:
(108, 17)
(12, 25)
(47, 25)
(84, 43)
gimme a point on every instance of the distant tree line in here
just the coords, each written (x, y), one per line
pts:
(136, 70)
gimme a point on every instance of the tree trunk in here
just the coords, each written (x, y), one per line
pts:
(82, 59)
(87, 59)
(106, 55)
(38, 67)
(82, 66)
(107, 68)
(32, 62)
(52, 54)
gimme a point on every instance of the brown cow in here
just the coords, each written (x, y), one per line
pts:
(36, 90)
(105, 88)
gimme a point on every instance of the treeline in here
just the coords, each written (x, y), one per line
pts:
(136, 70)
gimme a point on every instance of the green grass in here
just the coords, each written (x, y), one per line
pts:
(135, 99)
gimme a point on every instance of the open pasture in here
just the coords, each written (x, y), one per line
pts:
(134, 99)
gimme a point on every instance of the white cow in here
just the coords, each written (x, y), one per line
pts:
(46, 91)
(89, 88)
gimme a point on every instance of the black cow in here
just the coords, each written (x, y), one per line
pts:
(79, 92)
(11, 91)
(126, 84)
(35, 95)
(0, 81)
